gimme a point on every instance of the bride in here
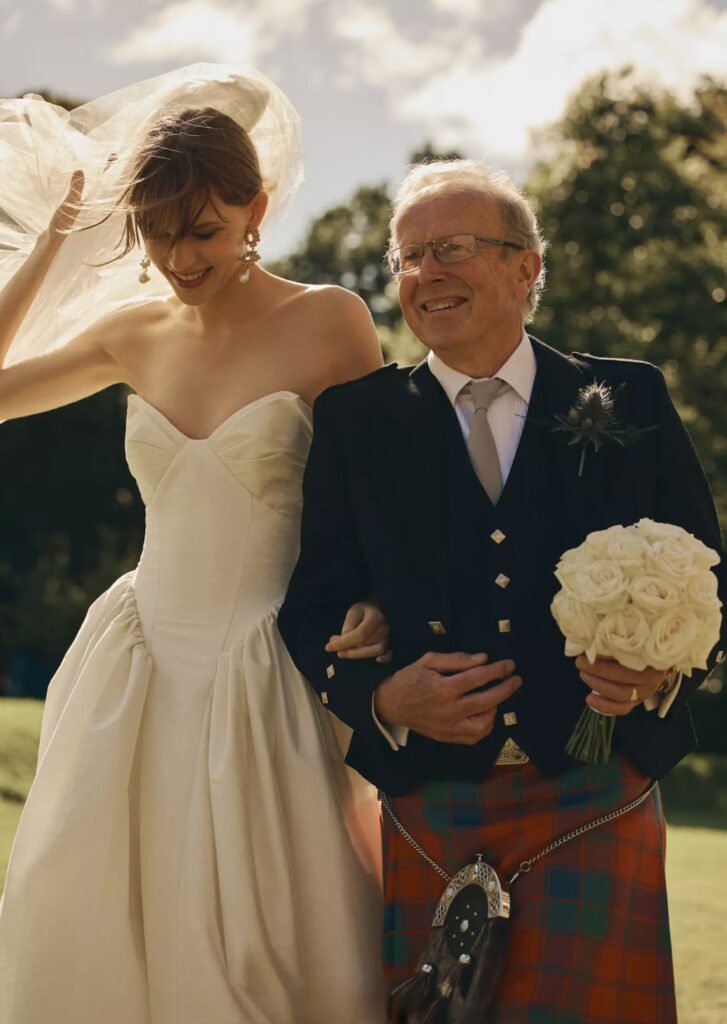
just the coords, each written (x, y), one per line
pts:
(193, 849)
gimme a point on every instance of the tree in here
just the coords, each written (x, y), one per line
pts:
(71, 522)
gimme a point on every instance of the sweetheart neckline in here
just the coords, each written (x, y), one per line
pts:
(243, 408)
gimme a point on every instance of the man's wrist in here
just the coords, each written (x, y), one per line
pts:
(382, 706)
(395, 735)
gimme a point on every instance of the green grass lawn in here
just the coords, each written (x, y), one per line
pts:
(695, 800)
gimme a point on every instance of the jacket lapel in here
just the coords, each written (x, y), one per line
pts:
(420, 419)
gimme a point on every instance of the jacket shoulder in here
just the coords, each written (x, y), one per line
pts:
(609, 366)
(363, 388)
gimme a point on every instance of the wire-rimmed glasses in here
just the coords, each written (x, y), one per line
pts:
(407, 259)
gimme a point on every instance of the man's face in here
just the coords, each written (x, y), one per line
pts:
(460, 307)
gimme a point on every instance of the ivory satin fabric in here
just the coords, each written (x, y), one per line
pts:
(193, 849)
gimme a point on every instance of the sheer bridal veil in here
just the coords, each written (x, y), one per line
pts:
(42, 144)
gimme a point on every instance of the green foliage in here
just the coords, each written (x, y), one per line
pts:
(634, 203)
(71, 522)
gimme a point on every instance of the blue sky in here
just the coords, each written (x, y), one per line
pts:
(372, 80)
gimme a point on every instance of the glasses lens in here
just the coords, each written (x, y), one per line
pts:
(410, 258)
(454, 248)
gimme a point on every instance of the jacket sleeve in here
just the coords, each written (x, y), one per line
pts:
(684, 498)
(331, 574)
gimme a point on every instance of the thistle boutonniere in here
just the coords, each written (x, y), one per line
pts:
(592, 420)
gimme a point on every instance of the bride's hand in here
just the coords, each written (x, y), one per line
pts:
(364, 634)
(65, 216)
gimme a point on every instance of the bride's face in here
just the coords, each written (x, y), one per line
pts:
(206, 258)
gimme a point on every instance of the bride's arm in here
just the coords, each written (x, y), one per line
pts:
(78, 369)
(81, 367)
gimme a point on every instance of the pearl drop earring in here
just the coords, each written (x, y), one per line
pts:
(144, 263)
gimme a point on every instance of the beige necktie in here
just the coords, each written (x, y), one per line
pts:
(481, 443)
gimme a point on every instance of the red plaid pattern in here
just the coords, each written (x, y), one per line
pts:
(589, 932)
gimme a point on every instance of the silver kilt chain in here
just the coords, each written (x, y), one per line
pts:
(525, 865)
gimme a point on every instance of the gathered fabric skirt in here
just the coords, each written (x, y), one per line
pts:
(589, 935)
(193, 850)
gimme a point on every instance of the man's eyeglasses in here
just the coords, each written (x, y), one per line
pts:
(452, 249)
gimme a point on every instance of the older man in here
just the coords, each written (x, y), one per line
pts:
(446, 492)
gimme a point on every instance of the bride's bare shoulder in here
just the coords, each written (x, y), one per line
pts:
(133, 323)
(339, 333)
(327, 302)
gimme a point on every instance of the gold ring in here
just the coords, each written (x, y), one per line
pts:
(634, 695)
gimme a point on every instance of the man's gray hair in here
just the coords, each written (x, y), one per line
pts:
(443, 177)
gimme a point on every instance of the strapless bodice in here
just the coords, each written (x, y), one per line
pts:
(222, 522)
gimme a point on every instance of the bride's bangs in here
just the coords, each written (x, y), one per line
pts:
(186, 159)
(168, 208)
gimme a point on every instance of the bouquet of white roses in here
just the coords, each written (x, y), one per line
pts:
(644, 595)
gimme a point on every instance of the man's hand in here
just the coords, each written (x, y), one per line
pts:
(433, 696)
(617, 690)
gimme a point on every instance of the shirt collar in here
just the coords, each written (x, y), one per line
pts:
(518, 371)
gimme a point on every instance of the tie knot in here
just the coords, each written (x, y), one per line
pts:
(484, 392)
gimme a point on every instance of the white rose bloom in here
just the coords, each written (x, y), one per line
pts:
(701, 591)
(705, 557)
(654, 594)
(654, 531)
(622, 635)
(708, 634)
(597, 542)
(629, 550)
(671, 639)
(602, 585)
(574, 559)
(576, 621)
(673, 558)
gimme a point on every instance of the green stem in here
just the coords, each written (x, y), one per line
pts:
(590, 741)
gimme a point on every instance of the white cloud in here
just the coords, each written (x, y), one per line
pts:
(12, 23)
(379, 53)
(473, 9)
(464, 96)
(211, 30)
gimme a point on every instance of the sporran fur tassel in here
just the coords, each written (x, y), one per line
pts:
(459, 971)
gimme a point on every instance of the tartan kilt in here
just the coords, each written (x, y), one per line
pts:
(589, 930)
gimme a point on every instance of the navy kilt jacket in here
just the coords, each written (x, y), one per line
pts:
(392, 508)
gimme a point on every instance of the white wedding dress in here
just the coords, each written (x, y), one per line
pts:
(193, 850)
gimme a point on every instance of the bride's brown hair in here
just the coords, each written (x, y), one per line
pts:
(186, 157)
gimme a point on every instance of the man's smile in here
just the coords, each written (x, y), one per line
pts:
(437, 305)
